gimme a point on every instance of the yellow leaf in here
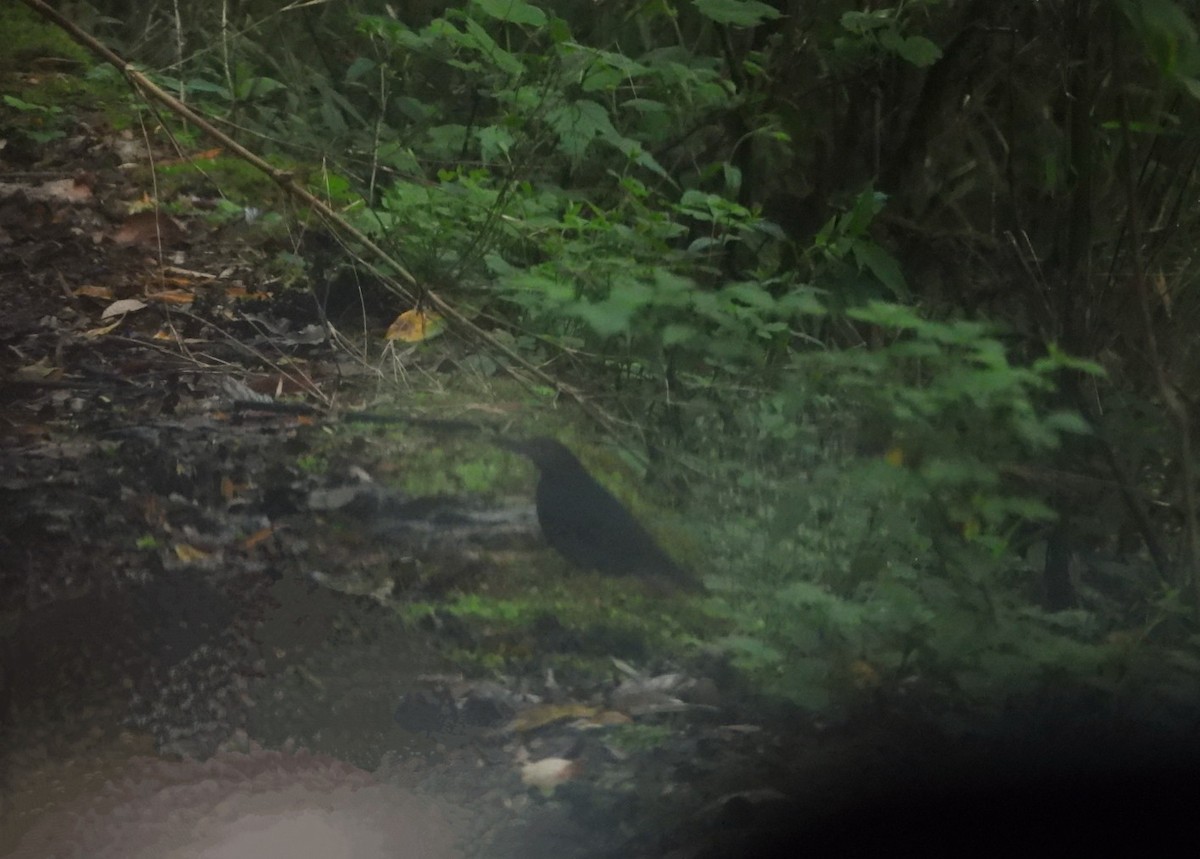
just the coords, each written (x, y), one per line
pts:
(100, 332)
(94, 291)
(188, 553)
(414, 326)
(172, 296)
(548, 714)
(611, 717)
(257, 537)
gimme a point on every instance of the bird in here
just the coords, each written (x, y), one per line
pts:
(587, 525)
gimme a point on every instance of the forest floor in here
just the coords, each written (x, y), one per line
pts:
(192, 577)
(214, 606)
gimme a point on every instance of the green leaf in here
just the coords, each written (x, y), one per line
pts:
(738, 13)
(802, 301)
(503, 60)
(332, 117)
(860, 23)
(633, 150)
(613, 314)
(752, 648)
(201, 85)
(44, 136)
(943, 471)
(14, 102)
(733, 178)
(606, 318)
(513, 11)
(258, 87)
(675, 333)
(579, 123)
(534, 290)
(1166, 31)
(499, 266)
(398, 157)
(670, 288)
(919, 51)
(883, 265)
(447, 139)
(559, 31)
(601, 80)
(360, 67)
(1057, 359)
(867, 205)
(750, 294)
(1068, 422)
(644, 105)
(798, 594)
(1192, 85)
(887, 314)
(494, 141)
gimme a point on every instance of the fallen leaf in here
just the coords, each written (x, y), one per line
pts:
(101, 331)
(549, 773)
(69, 190)
(187, 275)
(259, 536)
(188, 553)
(612, 717)
(172, 296)
(145, 203)
(378, 590)
(123, 306)
(239, 292)
(41, 371)
(148, 229)
(206, 155)
(94, 291)
(415, 326)
(539, 717)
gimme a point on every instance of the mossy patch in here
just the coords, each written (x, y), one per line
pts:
(28, 38)
(456, 468)
(542, 616)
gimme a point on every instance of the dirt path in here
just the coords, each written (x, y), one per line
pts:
(208, 611)
(186, 588)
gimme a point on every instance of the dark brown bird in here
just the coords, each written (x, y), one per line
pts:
(587, 525)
